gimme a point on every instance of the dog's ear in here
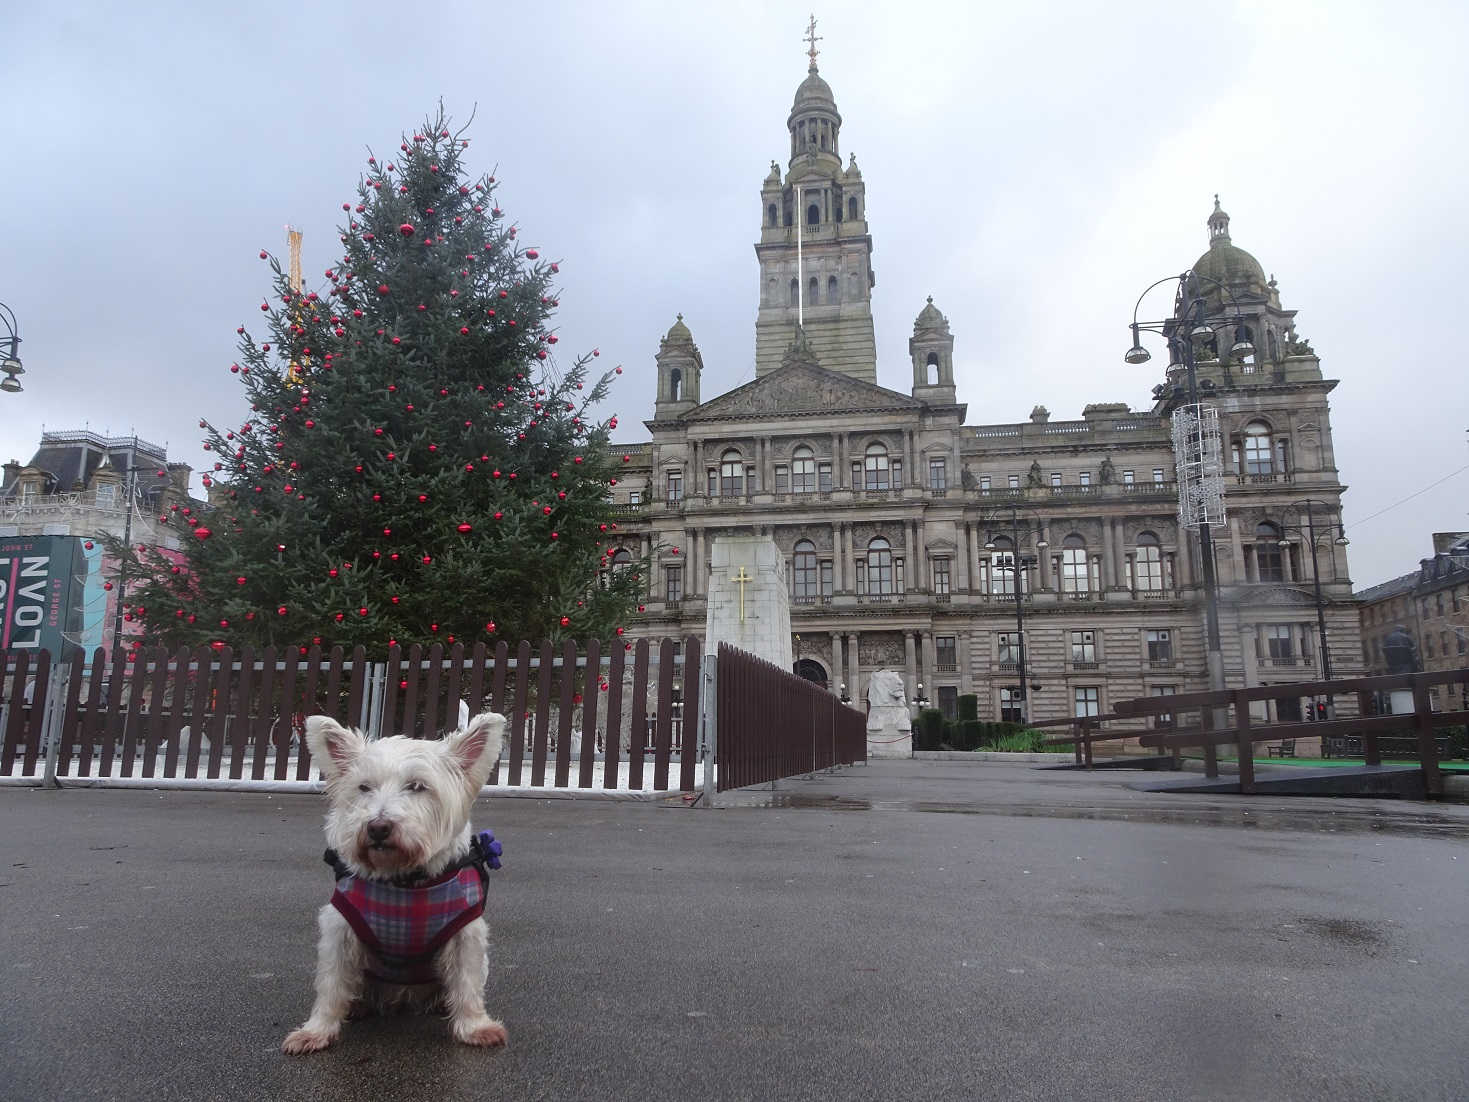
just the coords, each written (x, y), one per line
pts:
(333, 746)
(476, 748)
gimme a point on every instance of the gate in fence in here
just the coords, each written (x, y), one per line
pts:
(640, 718)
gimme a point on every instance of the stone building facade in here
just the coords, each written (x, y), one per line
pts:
(1431, 603)
(74, 488)
(901, 522)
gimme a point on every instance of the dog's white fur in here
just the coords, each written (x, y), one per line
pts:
(422, 791)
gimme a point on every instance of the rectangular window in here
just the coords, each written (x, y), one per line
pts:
(1165, 719)
(1127, 478)
(673, 583)
(1055, 479)
(713, 481)
(1010, 710)
(1088, 700)
(1157, 476)
(1008, 647)
(949, 701)
(106, 494)
(673, 482)
(823, 477)
(898, 575)
(857, 476)
(946, 653)
(1277, 640)
(1085, 478)
(1083, 648)
(634, 497)
(941, 577)
(938, 475)
(751, 481)
(782, 480)
(1014, 482)
(984, 482)
(1160, 647)
(826, 577)
(1462, 645)
(897, 467)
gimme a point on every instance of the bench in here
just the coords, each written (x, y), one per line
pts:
(1285, 748)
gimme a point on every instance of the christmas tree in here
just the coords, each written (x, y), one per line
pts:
(416, 467)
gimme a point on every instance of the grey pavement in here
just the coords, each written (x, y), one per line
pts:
(905, 930)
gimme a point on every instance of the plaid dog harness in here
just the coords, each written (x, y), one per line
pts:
(404, 926)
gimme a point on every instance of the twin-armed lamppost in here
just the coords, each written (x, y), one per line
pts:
(1196, 445)
(1313, 532)
(10, 352)
(1016, 565)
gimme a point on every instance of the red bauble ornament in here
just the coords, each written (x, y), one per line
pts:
(531, 254)
(88, 545)
(281, 611)
(107, 586)
(382, 288)
(203, 533)
(263, 254)
(465, 529)
(499, 515)
(565, 622)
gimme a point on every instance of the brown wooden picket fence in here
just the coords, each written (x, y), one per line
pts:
(773, 724)
(578, 718)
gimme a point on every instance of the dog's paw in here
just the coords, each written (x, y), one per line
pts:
(485, 1032)
(307, 1040)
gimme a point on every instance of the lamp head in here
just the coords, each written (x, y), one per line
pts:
(10, 385)
(989, 545)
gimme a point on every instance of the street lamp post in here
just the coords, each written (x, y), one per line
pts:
(10, 352)
(1334, 531)
(1201, 494)
(1015, 566)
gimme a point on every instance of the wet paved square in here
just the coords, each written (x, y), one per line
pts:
(901, 930)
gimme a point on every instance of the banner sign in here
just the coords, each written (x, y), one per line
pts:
(37, 577)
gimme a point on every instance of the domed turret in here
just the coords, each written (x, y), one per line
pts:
(679, 366)
(932, 349)
(1227, 264)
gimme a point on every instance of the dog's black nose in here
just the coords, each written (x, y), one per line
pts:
(379, 830)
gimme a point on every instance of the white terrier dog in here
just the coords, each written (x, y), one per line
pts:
(406, 923)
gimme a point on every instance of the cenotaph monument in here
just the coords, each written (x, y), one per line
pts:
(749, 605)
(889, 730)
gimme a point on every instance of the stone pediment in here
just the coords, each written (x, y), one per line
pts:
(801, 389)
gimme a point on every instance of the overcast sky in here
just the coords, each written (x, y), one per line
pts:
(1033, 167)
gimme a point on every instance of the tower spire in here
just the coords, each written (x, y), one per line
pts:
(811, 39)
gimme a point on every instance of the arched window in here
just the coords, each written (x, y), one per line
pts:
(803, 470)
(675, 383)
(833, 291)
(879, 568)
(813, 215)
(621, 559)
(875, 468)
(1002, 567)
(1258, 458)
(1250, 360)
(1149, 563)
(795, 290)
(813, 288)
(1074, 575)
(1269, 560)
(852, 209)
(932, 374)
(774, 215)
(823, 137)
(805, 572)
(731, 474)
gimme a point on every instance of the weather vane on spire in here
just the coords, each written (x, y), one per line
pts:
(811, 39)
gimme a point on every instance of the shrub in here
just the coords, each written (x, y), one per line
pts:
(968, 707)
(928, 732)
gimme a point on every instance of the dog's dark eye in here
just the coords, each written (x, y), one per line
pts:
(364, 787)
(416, 786)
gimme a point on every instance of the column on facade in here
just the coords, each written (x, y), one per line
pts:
(910, 460)
(692, 588)
(1185, 558)
(929, 668)
(1044, 555)
(1120, 555)
(837, 674)
(965, 661)
(961, 578)
(696, 476)
(1107, 578)
(910, 664)
(852, 687)
(645, 550)
(839, 460)
(839, 556)
(1237, 550)
(1288, 568)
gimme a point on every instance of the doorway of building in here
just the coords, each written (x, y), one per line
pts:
(811, 670)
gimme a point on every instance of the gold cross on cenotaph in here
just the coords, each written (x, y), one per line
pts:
(742, 578)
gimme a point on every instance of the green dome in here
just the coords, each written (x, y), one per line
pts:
(1228, 264)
